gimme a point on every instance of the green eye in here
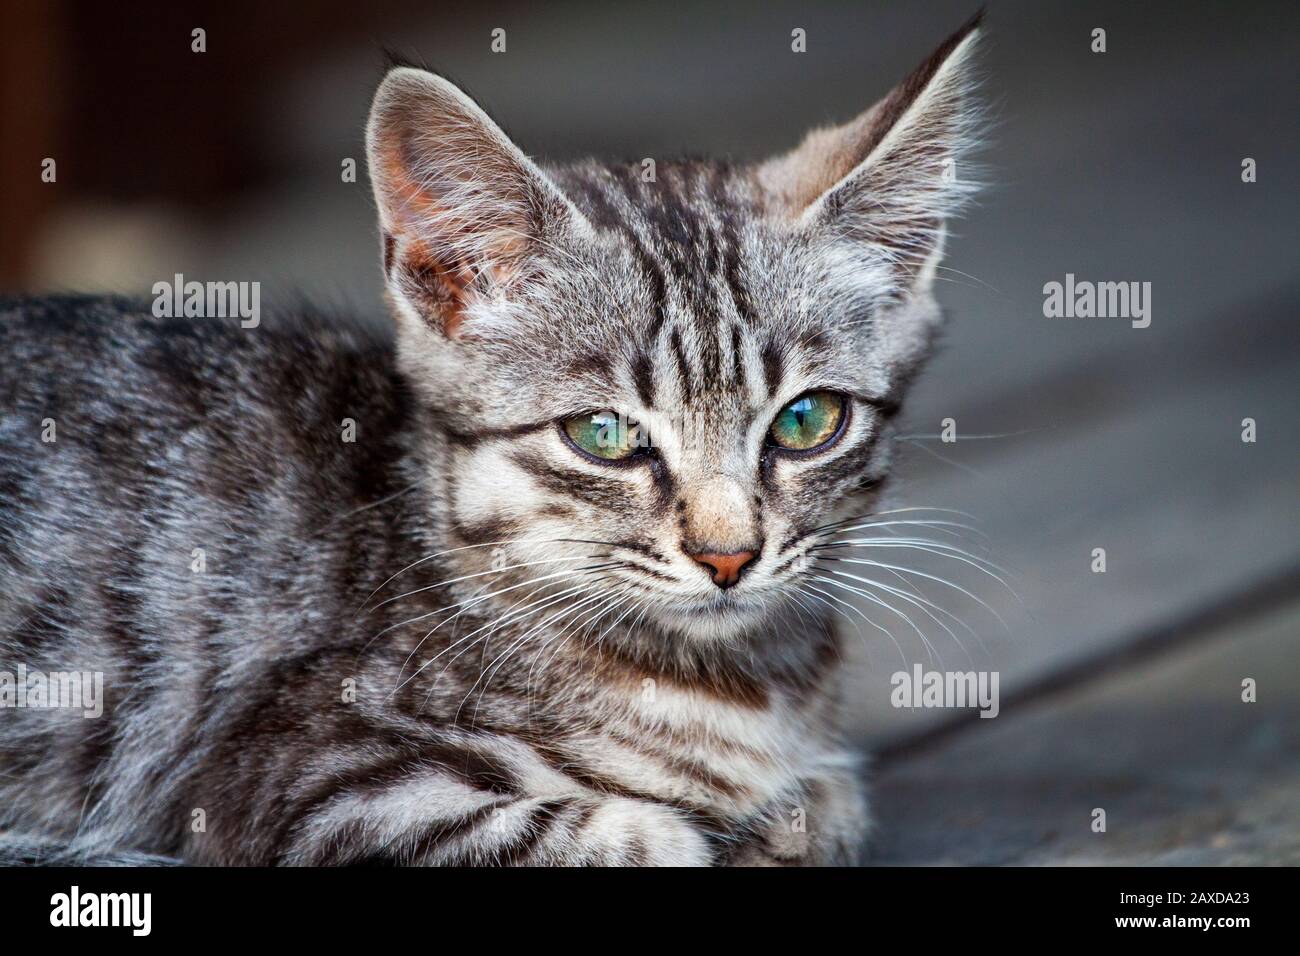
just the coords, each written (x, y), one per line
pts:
(808, 422)
(606, 435)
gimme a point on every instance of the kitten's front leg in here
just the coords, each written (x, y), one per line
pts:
(477, 830)
(821, 822)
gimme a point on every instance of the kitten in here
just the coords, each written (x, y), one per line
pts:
(548, 606)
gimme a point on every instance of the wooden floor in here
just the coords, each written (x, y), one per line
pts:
(1186, 772)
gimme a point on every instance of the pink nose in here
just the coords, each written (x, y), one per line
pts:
(725, 568)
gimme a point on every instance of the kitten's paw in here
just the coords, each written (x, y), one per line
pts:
(776, 842)
(626, 832)
(825, 825)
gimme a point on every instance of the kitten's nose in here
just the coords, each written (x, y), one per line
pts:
(725, 568)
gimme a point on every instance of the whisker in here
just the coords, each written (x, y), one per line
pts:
(480, 574)
(486, 675)
(943, 458)
(632, 627)
(941, 526)
(472, 602)
(816, 594)
(876, 599)
(1015, 434)
(857, 610)
(523, 542)
(927, 607)
(938, 548)
(930, 577)
(601, 636)
(910, 509)
(502, 619)
(439, 554)
(802, 611)
(525, 614)
(518, 610)
(374, 504)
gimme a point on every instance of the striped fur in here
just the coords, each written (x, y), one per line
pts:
(458, 641)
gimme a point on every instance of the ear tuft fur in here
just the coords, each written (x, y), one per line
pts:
(892, 177)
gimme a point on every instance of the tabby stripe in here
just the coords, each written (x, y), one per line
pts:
(400, 767)
(593, 202)
(602, 491)
(784, 565)
(639, 548)
(725, 745)
(886, 405)
(741, 690)
(437, 834)
(739, 296)
(713, 361)
(636, 851)
(795, 538)
(773, 368)
(473, 767)
(390, 245)
(851, 462)
(737, 357)
(540, 822)
(658, 287)
(665, 485)
(570, 767)
(683, 369)
(643, 378)
(592, 364)
(650, 572)
(295, 814)
(685, 766)
(489, 529)
(470, 439)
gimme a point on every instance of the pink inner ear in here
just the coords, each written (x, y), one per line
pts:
(433, 243)
(415, 219)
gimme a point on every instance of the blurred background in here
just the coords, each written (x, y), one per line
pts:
(1120, 689)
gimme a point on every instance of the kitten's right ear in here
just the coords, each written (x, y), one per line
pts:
(888, 179)
(462, 210)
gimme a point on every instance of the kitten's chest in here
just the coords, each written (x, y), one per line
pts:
(692, 749)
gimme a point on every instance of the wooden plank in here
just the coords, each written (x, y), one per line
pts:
(1186, 771)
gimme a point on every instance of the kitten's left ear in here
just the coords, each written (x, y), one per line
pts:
(889, 178)
(463, 211)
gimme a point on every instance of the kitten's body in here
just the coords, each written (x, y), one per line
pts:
(459, 638)
(225, 688)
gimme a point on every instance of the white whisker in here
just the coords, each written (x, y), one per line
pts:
(931, 577)
(876, 599)
(927, 607)
(510, 615)
(480, 574)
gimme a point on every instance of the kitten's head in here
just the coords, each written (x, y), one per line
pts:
(663, 381)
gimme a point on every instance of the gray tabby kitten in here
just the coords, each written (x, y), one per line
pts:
(547, 607)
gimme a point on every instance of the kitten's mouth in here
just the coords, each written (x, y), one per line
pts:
(724, 602)
(719, 617)
(721, 600)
